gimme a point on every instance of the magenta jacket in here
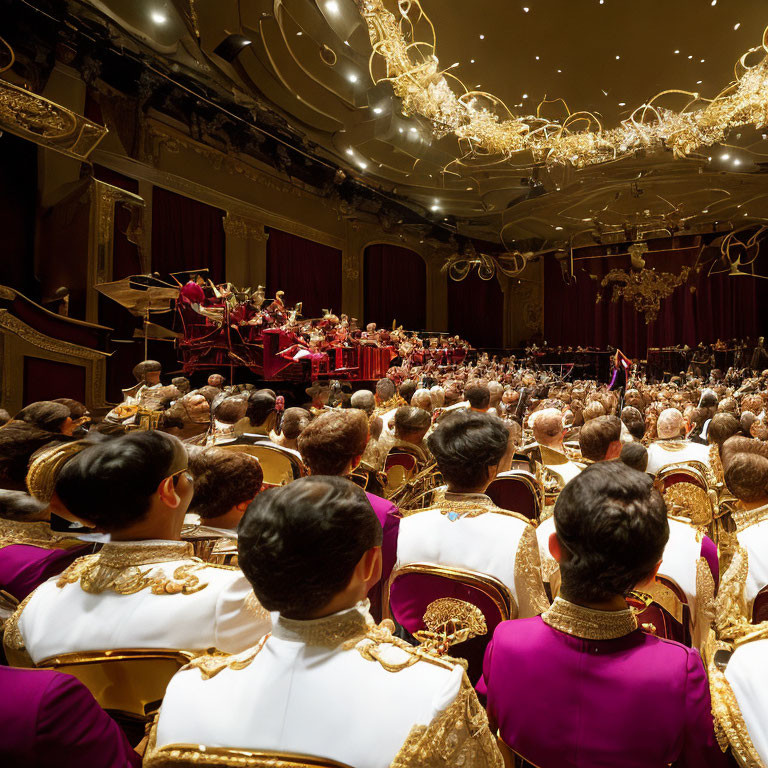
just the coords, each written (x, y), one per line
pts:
(389, 518)
(50, 720)
(561, 701)
(24, 567)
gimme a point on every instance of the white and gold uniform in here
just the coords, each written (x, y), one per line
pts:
(339, 688)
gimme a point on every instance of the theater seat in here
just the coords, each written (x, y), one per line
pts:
(518, 491)
(193, 756)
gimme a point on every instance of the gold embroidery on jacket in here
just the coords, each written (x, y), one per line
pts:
(588, 623)
(217, 661)
(35, 534)
(528, 571)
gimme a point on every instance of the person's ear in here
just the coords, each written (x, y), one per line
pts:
(243, 505)
(555, 548)
(368, 569)
(167, 493)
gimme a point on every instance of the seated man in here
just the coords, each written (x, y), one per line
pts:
(333, 445)
(634, 455)
(600, 439)
(291, 426)
(591, 675)
(555, 464)
(225, 483)
(143, 589)
(478, 396)
(326, 682)
(49, 719)
(464, 529)
(671, 448)
(634, 422)
(411, 425)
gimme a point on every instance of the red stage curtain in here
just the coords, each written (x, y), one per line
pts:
(47, 379)
(395, 287)
(186, 234)
(308, 272)
(703, 309)
(476, 310)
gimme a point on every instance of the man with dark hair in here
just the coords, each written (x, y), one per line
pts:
(478, 396)
(611, 532)
(225, 483)
(464, 529)
(600, 439)
(143, 589)
(293, 423)
(411, 426)
(385, 391)
(634, 455)
(634, 422)
(407, 390)
(333, 444)
(326, 682)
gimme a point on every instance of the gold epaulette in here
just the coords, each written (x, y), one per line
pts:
(215, 661)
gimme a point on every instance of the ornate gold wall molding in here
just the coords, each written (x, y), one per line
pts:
(46, 123)
(243, 228)
(20, 340)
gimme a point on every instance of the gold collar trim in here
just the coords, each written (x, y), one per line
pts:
(588, 623)
(122, 554)
(746, 517)
(458, 505)
(671, 443)
(36, 534)
(328, 632)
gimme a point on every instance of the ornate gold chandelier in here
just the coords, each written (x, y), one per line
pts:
(484, 125)
(645, 288)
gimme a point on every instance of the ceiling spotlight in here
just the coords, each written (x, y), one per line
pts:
(537, 58)
(414, 130)
(400, 129)
(601, 2)
(299, 34)
(471, 61)
(617, 58)
(352, 77)
(699, 82)
(349, 150)
(469, 189)
(559, 229)
(363, 164)
(724, 156)
(158, 17)
(332, 7)
(714, 2)
(737, 161)
(378, 110)
(736, 26)
(677, 51)
(706, 210)
(690, 57)
(701, 61)
(622, 103)
(482, 37)
(435, 208)
(525, 9)
(559, 71)
(525, 95)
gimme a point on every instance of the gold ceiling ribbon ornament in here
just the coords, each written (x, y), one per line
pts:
(460, 264)
(485, 126)
(644, 288)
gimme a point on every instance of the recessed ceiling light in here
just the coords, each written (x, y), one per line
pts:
(471, 61)
(352, 77)
(332, 7)
(617, 58)
(482, 37)
(346, 42)
(724, 156)
(526, 9)
(690, 57)
(538, 58)
(299, 34)
(737, 161)
(706, 210)
(413, 130)
(400, 129)
(559, 229)
(435, 207)
(525, 95)
(701, 61)
(736, 26)
(349, 150)
(469, 189)
(622, 103)
(158, 17)
(363, 164)
(714, 2)
(677, 51)
(560, 71)
(378, 110)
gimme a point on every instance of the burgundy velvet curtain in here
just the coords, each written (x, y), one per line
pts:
(395, 287)
(476, 310)
(186, 234)
(702, 309)
(308, 272)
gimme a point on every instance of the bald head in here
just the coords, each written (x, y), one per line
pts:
(548, 428)
(422, 399)
(364, 400)
(670, 424)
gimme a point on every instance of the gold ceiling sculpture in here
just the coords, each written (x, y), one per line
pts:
(459, 265)
(645, 288)
(485, 126)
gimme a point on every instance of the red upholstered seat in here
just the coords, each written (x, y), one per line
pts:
(669, 615)
(400, 459)
(518, 492)
(760, 606)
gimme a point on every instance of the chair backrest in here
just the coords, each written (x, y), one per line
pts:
(414, 587)
(279, 466)
(399, 458)
(517, 491)
(669, 615)
(399, 468)
(686, 492)
(124, 681)
(760, 606)
(190, 756)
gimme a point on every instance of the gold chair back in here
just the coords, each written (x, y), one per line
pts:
(126, 681)
(687, 493)
(279, 467)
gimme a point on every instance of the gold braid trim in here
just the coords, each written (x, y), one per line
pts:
(35, 534)
(705, 599)
(217, 661)
(528, 571)
(459, 736)
(13, 642)
(588, 623)
(731, 611)
(116, 568)
(716, 465)
(474, 507)
(744, 518)
(730, 727)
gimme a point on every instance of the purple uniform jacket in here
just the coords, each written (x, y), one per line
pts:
(386, 512)
(561, 701)
(48, 719)
(23, 567)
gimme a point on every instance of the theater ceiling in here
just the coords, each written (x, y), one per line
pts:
(312, 67)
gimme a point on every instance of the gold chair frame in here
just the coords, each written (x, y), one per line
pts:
(489, 585)
(696, 471)
(528, 479)
(191, 756)
(265, 452)
(129, 681)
